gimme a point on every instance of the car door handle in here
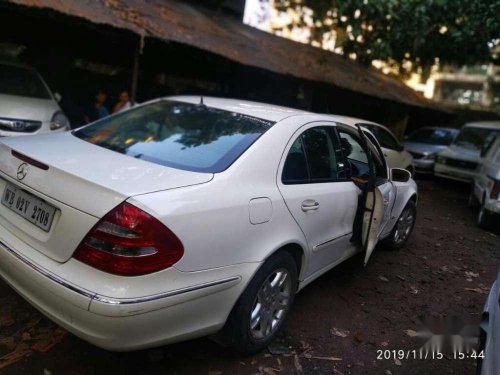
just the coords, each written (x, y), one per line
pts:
(309, 205)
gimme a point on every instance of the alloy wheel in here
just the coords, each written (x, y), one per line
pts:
(271, 304)
(404, 226)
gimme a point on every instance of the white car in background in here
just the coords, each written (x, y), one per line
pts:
(27, 106)
(486, 186)
(182, 217)
(425, 143)
(460, 160)
(394, 152)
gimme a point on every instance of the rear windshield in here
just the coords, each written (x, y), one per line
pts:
(433, 136)
(179, 135)
(15, 80)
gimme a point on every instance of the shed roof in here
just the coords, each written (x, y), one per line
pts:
(207, 30)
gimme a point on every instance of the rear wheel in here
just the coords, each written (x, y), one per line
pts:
(403, 227)
(263, 307)
(483, 217)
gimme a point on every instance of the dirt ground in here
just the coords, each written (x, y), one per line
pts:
(445, 270)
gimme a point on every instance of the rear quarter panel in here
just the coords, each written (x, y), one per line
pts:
(212, 220)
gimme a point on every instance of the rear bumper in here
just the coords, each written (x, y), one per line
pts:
(130, 323)
(445, 171)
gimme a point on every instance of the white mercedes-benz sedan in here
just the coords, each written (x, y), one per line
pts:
(188, 216)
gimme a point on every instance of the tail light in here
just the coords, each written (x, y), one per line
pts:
(128, 241)
(495, 191)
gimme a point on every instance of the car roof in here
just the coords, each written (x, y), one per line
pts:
(483, 124)
(269, 112)
(263, 111)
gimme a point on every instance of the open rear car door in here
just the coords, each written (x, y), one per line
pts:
(373, 206)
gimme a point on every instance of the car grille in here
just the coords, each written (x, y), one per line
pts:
(416, 155)
(460, 163)
(19, 126)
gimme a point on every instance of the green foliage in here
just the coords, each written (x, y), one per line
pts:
(418, 31)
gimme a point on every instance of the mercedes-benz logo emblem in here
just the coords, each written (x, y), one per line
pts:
(22, 171)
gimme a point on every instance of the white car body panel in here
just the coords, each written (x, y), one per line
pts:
(461, 155)
(395, 159)
(228, 223)
(106, 176)
(398, 159)
(491, 328)
(487, 174)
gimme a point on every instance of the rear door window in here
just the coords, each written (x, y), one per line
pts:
(313, 157)
(179, 135)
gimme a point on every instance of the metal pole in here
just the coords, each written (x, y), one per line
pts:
(135, 69)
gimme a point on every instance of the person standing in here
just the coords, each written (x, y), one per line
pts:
(123, 102)
(98, 110)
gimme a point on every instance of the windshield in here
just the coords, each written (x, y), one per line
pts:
(433, 136)
(15, 80)
(475, 138)
(179, 135)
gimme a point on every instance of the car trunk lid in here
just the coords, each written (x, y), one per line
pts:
(83, 181)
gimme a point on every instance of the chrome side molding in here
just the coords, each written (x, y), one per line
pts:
(110, 300)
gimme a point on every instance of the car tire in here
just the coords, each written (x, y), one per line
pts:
(246, 332)
(483, 217)
(402, 228)
(473, 202)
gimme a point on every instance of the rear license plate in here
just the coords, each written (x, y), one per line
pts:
(33, 209)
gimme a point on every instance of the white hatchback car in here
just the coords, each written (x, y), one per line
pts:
(27, 106)
(181, 218)
(486, 186)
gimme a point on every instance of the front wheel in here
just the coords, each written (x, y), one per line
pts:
(264, 305)
(473, 201)
(403, 227)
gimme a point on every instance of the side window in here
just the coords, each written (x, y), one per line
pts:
(295, 170)
(356, 159)
(312, 158)
(378, 159)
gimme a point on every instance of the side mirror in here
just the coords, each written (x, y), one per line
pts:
(57, 97)
(400, 175)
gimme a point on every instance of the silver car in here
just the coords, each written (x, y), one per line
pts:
(425, 143)
(27, 106)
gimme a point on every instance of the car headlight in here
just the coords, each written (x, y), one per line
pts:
(59, 121)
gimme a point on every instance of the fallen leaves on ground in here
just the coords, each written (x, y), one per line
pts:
(339, 332)
(31, 338)
(480, 290)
